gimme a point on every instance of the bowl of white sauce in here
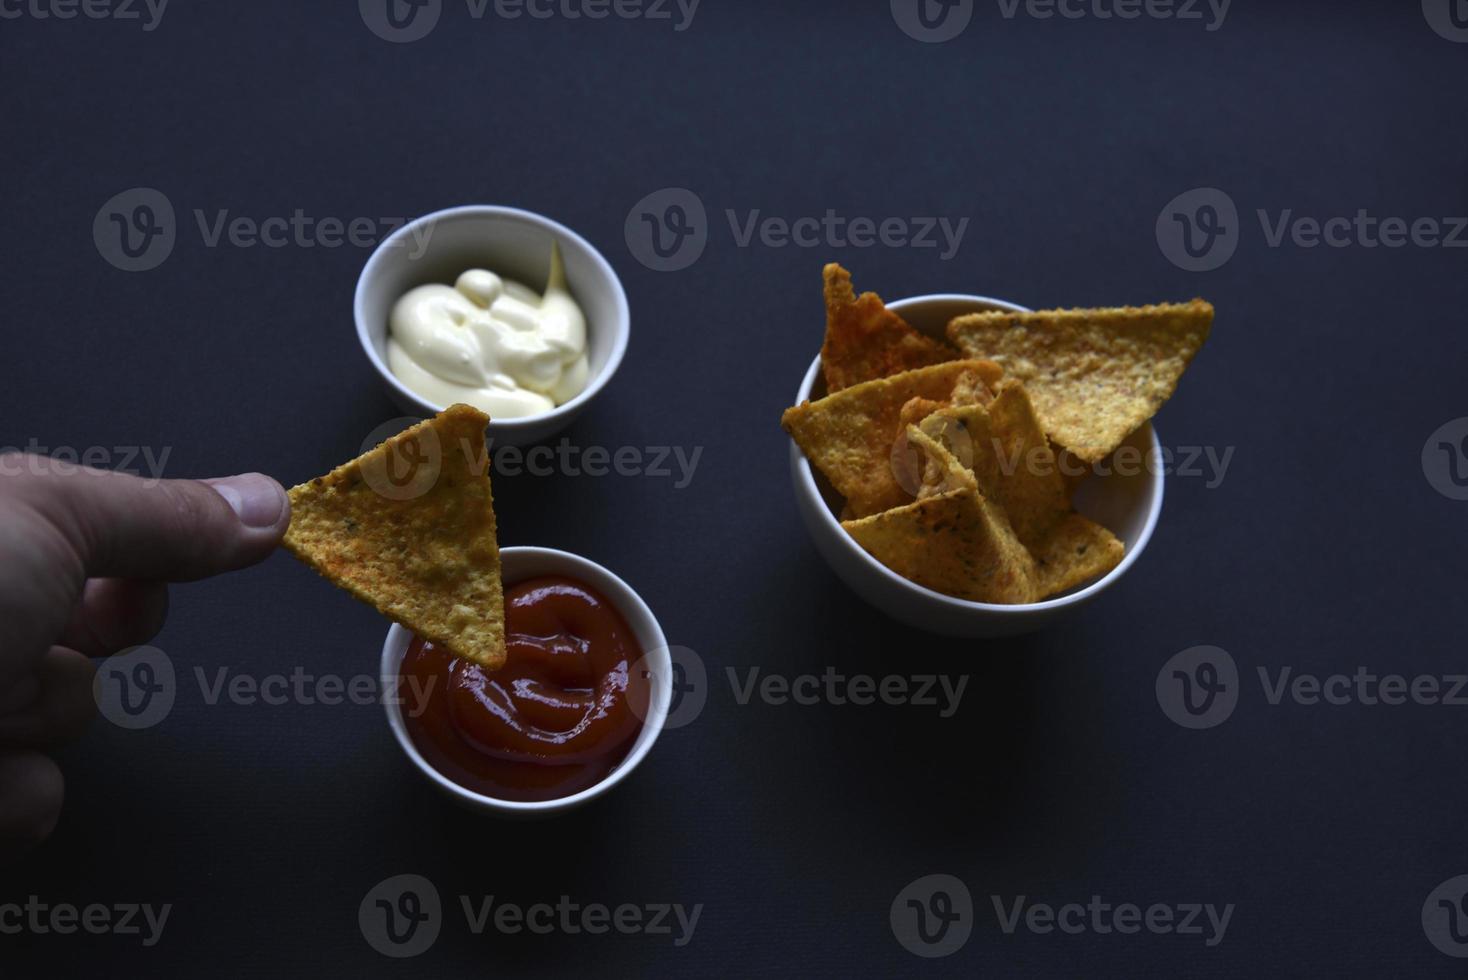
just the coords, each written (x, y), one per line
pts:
(495, 307)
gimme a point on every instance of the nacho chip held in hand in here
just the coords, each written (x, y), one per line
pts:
(409, 528)
(1094, 375)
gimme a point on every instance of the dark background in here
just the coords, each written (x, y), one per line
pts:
(1325, 548)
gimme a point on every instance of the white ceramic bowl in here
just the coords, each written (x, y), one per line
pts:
(519, 565)
(1128, 503)
(517, 245)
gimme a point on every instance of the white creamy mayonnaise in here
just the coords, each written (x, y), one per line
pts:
(492, 343)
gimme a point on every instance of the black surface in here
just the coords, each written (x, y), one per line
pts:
(1323, 550)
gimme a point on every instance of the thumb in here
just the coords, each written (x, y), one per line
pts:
(122, 526)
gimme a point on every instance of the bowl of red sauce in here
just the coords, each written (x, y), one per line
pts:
(579, 702)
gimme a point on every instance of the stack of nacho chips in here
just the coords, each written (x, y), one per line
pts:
(947, 453)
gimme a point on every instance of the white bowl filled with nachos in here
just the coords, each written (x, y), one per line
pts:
(973, 468)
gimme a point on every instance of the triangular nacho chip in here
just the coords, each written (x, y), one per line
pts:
(1011, 463)
(1076, 551)
(942, 472)
(1094, 375)
(956, 543)
(1010, 457)
(409, 528)
(865, 340)
(914, 410)
(971, 389)
(849, 435)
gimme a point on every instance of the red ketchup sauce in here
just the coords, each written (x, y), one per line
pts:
(559, 716)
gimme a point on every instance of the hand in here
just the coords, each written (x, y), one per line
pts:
(84, 558)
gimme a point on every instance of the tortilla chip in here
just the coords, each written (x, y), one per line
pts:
(914, 410)
(1077, 550)
(849, 435)
(1094, 375)
(971, 389)
(956, 543)
(908, 461)
(866, 341)
(1010, 458)
(409, 528)
(942, 472)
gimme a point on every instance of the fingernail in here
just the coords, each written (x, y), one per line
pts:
(254, 497)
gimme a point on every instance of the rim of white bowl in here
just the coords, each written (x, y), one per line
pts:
(557, 230)
(632, 609)
(808, 485)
